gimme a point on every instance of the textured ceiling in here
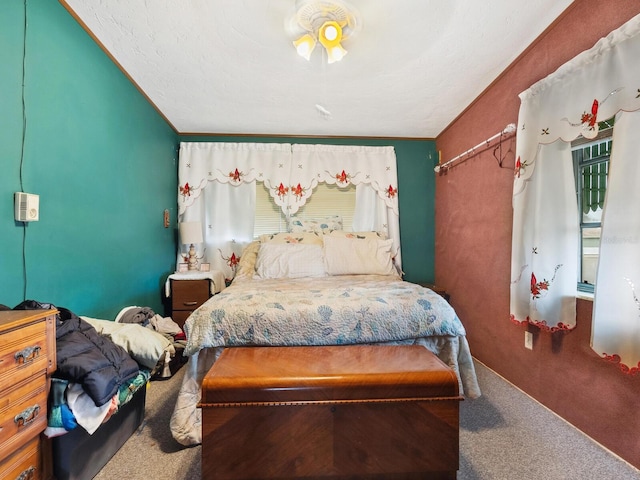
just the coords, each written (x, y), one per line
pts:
(229, 67)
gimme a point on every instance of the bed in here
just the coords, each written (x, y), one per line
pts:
(310, 289)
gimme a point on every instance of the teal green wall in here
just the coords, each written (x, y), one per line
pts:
(100, 157)
(416, 194)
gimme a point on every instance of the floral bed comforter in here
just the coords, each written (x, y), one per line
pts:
(320, 311)
(359, 309)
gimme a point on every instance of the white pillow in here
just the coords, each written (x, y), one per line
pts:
(286, 237)
(358, 256)
(145, 346)
(290, 260)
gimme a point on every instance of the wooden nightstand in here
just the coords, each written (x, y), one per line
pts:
(186, 296)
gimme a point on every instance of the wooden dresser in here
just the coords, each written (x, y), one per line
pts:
(27, 359)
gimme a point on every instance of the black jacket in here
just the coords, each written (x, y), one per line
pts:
(86, 357)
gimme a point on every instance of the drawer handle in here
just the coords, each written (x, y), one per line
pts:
(28, 474)
(27, 416)
(189, 304)
(27, 355)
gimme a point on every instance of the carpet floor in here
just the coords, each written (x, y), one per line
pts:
(504, 435)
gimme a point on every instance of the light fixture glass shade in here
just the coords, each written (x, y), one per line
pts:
(335, 54)
(305, 45)
(330, 34)
(191, 233)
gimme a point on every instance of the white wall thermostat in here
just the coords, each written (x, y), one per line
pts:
(27, 207)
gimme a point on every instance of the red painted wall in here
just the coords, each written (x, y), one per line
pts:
(473, 249)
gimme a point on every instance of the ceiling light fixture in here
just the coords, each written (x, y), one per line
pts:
(329, 22)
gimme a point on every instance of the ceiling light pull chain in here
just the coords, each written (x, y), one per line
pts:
(326, 114)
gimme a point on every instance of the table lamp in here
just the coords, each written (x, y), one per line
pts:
(190, 234)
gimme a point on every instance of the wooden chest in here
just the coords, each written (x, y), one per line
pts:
(340, 412)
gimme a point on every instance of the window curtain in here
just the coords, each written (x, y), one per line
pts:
(217, 187)
(371, 169)
(594, 86)
(616, 328)
(545, 242)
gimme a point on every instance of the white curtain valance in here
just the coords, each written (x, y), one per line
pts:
(234, 164)
(342, 165)
(570, 102)
(290, 172)
(598, 84)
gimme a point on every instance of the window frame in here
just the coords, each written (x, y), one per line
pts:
(605, 134)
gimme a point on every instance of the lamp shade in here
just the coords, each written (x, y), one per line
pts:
(191, 233)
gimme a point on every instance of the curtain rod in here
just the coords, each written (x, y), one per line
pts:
(510, 128)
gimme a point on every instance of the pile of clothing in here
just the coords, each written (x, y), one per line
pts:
(94, 375)
(147, 318)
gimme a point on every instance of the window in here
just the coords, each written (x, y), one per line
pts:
(325, 200)
(591, 166)
(268, 217)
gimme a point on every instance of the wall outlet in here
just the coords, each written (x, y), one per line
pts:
(528, 340)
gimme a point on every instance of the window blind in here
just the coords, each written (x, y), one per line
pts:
(326, 200)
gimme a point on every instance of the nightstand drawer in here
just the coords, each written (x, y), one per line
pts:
(189, 294)
(23, 413)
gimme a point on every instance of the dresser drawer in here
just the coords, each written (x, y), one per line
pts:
(23, 464)
(23, 413)
(189, 294)
(23, 353)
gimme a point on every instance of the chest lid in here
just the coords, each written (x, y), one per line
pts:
(326, 373)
